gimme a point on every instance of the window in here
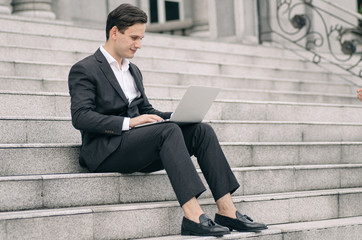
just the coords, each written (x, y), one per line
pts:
(165, 10)
(172, 10)
(153, 11)
(359, 9)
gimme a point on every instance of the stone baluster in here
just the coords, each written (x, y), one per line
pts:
(5, 7)
(33, 8)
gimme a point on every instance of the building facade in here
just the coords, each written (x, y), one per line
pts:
(233, 20)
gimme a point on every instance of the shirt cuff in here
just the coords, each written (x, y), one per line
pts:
(125, 126)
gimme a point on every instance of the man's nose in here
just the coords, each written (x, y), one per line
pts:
(138, 44)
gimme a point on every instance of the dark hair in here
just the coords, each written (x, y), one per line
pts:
(124, 16)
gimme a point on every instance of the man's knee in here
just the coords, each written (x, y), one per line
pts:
(171, 129)
(206, 130)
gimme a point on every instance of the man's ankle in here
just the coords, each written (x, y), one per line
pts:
(228, 213)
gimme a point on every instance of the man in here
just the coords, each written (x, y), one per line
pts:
(107, 102)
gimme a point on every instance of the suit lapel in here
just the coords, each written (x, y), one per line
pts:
(108, 73)
(137, 79)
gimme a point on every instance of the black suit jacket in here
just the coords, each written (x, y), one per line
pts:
(98, 107)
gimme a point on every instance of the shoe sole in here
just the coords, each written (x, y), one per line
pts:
(248, 230)
(189, 233)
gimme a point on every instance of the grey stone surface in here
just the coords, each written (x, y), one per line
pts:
(39, 55)
(26, 104)
(268, 181)
(128, 224)
(56, 227)
(351, 153)
(167, 97)
(351, 177)
(247, 82)
(61, 130)
(44, 70)
(67, 190)
(134, 187)
(41, 160)
(13, 131)
(251, 70)
(26, 194)
(11, 38)
(238, 155)
(350, 205)
(221, 18)
(313, 208)
(343, 232)
(275, 155)
(320, 154)
(2, 230)
(33, 8)
(32, 84)
(20, 159)
(134, 217)
(270, 212)
(310, 179)
(70, 192)
(50, 28)
(283, 131)
(5, 7)
(52, 132)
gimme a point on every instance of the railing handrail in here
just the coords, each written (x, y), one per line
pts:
(355, 14)
(334, 43)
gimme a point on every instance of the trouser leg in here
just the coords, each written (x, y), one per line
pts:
(202, 142)
(163, 145)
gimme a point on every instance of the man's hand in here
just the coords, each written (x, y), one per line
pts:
(145, 118)
(359, 91)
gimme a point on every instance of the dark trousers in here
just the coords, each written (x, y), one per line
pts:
(169, 146)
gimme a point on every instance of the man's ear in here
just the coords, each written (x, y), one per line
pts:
(113, 32)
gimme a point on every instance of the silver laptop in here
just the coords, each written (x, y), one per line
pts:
(193, 107)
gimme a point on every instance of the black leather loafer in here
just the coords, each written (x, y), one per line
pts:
(242, 223)
(206, 227)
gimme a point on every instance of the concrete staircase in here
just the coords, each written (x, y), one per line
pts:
(291, 132)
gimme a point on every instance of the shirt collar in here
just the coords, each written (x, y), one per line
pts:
(112, 61)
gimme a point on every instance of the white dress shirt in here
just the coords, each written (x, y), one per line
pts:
(125, 80)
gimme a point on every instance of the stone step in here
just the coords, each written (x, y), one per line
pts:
(40, 54)
(33, 69)
(337, 229)
(261, 95)
(50, 30)
(21, 47)
(161, 78)
(61, 70)
(17, 49)
(247, 82)
(15, 103)
(234, 69)
(69, 43)
(81, 48)
(27, 159)
(70, 190)
(164, 218)
(19, 53)
(94, 37)
(60, 130)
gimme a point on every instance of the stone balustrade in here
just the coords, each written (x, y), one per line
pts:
(5, 7)
(28, 8)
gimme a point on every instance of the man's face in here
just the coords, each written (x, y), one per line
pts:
(127, 43)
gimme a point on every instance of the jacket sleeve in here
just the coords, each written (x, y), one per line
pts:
(83, 90)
